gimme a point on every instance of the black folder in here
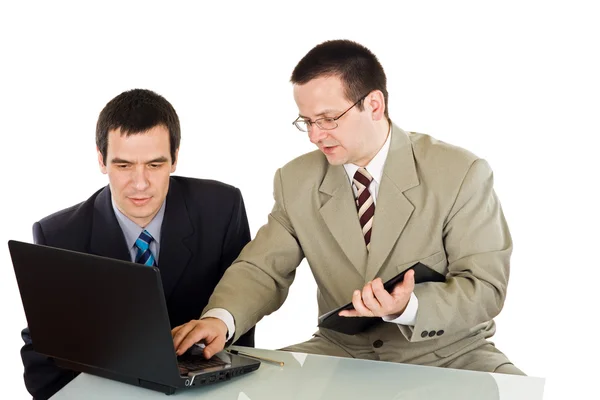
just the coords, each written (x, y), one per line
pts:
(354, 325)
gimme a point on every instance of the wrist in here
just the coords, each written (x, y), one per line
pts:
(222, 326)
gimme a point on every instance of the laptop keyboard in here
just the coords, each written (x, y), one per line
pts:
(196, 363)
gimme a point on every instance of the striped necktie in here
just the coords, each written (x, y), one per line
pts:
(364, 203)
(144, 255)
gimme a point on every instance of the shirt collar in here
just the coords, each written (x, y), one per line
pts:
(375, 166)
(132, 231)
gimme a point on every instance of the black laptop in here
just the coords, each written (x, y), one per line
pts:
(109, 318)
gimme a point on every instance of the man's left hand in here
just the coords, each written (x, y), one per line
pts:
(375, 301)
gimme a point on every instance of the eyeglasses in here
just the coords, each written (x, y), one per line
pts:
(326, 123)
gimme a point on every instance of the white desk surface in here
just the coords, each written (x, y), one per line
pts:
(323, 377)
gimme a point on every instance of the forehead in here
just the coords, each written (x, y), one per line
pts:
(154, 141)
(319, 95)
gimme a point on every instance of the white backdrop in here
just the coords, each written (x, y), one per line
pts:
(515, 82)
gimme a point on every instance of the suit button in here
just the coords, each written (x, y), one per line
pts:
(440, 332)
(432, 334)
(424, 334)
(377, 344)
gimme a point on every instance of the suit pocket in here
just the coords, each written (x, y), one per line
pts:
(431, 261)
(465, 344)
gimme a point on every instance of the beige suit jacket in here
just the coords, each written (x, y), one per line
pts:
(436, 205)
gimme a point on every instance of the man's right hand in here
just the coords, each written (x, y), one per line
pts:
(210, 331)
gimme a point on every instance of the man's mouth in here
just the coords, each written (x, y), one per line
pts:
(328, 149)
(140, 201)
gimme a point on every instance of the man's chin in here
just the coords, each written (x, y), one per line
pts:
(140, 213)
(335, 160)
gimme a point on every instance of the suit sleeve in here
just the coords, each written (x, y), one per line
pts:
(238, 233)
(42, 377)
(257, 283)
(237, 236)
(478, 247)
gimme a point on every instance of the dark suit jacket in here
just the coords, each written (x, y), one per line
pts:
(204, 229)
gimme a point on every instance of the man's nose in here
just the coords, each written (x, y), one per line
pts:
(316, 134)
(140, 178)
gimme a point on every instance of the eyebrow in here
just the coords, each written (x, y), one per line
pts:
(322, 113)
(157, 160)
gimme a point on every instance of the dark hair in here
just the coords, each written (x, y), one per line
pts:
(356, 66)
(136, 111)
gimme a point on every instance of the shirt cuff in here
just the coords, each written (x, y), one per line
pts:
(225, 316)
(409, 316)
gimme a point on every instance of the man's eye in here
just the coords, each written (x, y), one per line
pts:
(154, 165)
(122, 166)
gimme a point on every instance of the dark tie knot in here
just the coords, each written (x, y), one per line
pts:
(146, 236)
(363, 177)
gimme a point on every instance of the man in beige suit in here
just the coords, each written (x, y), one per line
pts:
(371, 202)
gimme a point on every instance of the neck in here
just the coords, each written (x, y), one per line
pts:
(382, 129)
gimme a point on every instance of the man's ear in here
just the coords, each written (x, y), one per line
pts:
(174, 165)
(101, 161)
(376, 104)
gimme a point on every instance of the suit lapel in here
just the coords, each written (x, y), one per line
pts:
(392, 209)
(175, 252)
(341, 217)
(106, 238)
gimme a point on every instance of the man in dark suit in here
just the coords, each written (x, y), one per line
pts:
(191, 229)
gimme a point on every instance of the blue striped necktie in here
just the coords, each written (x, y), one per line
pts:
(144, 255)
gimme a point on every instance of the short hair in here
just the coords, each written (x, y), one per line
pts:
(136, 111)
(356, 66)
